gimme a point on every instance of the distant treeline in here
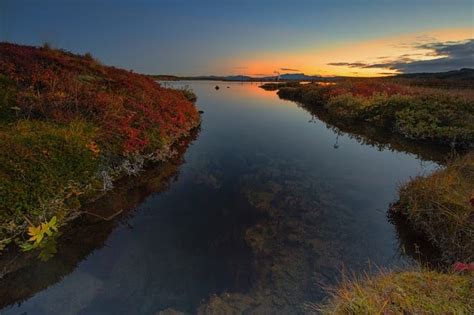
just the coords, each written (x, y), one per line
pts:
(463, 78)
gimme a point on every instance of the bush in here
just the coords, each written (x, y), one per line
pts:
(188, 94)
(416, 113)
(272, 86)
(437, 117)
(129, 108)
(315, 95)
(347, 106)
(69, 126)
(383, 109)
(291, 93)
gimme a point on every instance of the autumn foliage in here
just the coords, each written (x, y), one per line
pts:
(416, 112)
(69, 127)
(132, 111)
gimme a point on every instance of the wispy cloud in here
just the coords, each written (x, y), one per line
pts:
(442, 56)
(289, 69)
(348, 64)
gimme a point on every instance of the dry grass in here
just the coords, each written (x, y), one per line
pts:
(439, 205)
(409, 292)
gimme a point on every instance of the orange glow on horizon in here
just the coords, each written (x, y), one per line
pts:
(315, 61)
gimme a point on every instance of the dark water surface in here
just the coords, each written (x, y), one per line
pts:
(266, 206)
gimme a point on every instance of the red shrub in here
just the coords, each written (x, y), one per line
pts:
(127, 107)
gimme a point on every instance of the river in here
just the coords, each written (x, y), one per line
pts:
(266, 207)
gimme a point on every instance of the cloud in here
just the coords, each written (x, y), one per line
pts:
(447, 56)
(288, 69)
(348, 64)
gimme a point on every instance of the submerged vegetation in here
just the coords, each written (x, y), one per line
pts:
(69, 127)
(88, 234)
(439, 207)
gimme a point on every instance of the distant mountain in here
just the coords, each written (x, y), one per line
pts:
(465, 74)
(298, 77)
(245, 78)
(238, 78)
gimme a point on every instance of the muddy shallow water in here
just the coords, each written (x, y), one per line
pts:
(265, 208)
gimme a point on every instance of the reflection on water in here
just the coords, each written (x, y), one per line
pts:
(266, 211)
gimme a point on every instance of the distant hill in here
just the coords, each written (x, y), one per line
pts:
(462, 74)
(299, 77)
(244, 78)
(466, 75)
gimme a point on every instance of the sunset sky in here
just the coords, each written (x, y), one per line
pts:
(356, 38)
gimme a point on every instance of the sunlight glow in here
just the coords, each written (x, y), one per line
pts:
(321, 61)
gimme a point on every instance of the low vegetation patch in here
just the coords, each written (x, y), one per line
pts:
(441, 206)
(69, 127)
(420, 113)
(409, 292)
(273, 86)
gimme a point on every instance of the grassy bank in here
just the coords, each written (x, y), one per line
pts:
(273, 86)
(440, 206)
(69, 127)
(437, 115)
(409, 292)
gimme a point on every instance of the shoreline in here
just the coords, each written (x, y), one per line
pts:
(71, 127)
(420, 206)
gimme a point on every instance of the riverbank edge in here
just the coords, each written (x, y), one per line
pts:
(414, 291)
(127, 167)
(370, 107)
(96, 213)
(71, 127)
(356, 295)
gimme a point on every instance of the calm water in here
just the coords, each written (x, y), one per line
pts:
(267, 206)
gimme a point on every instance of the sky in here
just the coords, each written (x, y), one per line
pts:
(259, 37)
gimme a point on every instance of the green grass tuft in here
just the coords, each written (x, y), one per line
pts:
(43, 168)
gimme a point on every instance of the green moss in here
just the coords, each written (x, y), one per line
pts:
(44, 167)
(412, 292)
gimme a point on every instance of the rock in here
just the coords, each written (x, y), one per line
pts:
(217, 87)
